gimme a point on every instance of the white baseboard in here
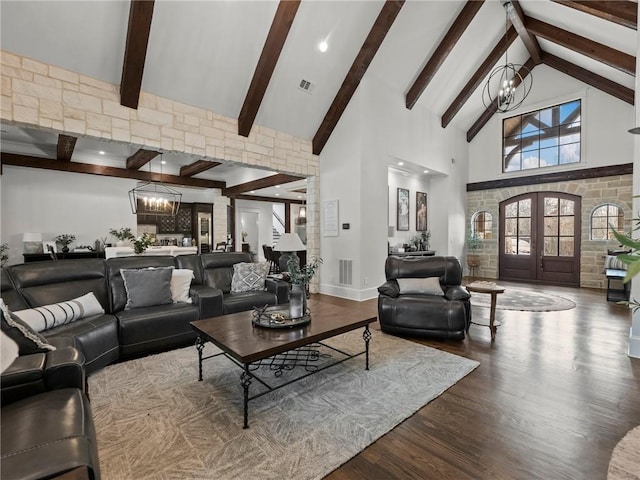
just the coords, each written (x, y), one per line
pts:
(348, 292)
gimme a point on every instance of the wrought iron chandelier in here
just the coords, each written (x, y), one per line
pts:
(501, 92)
(154, 198)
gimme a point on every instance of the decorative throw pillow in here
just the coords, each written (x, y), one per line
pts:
(8, 351)
(28, 341)
(424, 286)
(147, 287)
(249, 276)
(180, 285)
(49, 316)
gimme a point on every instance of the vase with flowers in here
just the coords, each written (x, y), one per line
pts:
(300, 278)
(65, 239)
(141, 243)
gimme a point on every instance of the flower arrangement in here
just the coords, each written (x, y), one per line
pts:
(4, 254)
(65, 239)
(122, 234)
(141, 243)
(302, 276)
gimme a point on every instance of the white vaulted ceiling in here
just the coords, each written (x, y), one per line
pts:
(204, 53)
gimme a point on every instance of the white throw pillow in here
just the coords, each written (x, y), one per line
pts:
(180, 285)
(8, 351)
(49, 316)
(424, 286)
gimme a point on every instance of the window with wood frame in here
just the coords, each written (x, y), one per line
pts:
(542, 138)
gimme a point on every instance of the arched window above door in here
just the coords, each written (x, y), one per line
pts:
(481, 225)
(603, 218)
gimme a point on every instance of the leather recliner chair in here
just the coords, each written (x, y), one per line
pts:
(447, 315)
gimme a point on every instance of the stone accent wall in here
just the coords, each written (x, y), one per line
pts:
(596, 191)
(42, 96)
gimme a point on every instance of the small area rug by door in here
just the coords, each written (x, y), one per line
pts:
(625, 459)
(523, 300)
(155, 420)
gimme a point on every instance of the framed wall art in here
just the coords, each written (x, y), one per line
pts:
(403, 210)
(421, 212)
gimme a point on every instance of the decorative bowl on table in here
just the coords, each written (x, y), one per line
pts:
(277, 316)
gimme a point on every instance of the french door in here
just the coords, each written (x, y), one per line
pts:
(540, 238)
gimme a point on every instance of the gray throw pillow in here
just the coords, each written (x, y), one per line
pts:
(424, 286)
(147, 287)
(249, 276)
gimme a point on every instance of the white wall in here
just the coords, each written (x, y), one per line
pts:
(265, 214)
(605, 121)
(52, 203)
(376, 130)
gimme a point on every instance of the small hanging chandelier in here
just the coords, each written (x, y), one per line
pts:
(499, 92)
(154, 198)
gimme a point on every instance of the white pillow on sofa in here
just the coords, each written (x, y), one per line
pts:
(424, 286)
(49, 316)
(180, 285)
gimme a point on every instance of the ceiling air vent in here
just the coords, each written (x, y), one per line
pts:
(306, 86)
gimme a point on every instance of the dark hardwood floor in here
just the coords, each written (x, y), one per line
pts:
(553, 395)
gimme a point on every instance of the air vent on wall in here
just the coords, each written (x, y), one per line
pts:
(345, 269)
(306, 86)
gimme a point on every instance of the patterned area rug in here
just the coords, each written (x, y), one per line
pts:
(523, 300)
(155, 420)
(625, 460)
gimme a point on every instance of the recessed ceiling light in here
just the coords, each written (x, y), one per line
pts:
(323, 46)
(299, 196)
(101, 152)
(426, 171)
(163, 162)
(253, 191)
(277, 194)
(277, 186)
(400, 163)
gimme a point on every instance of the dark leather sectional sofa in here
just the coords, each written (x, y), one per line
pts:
(50, 387)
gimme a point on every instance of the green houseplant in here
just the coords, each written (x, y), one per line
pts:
(473, 245)
(141, 243)
(122, 234)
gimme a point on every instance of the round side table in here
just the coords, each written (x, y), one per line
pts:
(493, 290)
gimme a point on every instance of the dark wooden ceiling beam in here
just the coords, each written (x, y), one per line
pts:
(141, 158)
(489, 112)
(75, 167)
(266, 182)
(601, 83)
(614, 58)
(196, 167)
(516, 16)
(480, 74)
(443, 50)
(135, 52)
(65, 147)
(271, 50)
(378, 31)
(258, 198)
(623, 13)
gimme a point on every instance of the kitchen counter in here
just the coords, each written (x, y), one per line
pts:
(111, 252)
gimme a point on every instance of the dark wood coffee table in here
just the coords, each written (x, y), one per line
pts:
(245, 343)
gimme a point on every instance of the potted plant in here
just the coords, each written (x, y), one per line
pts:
(65, 239)
(300, 278)
(122, 234)
(141, 243)
(473, 245)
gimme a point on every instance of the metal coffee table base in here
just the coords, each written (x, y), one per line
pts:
(300, 357)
